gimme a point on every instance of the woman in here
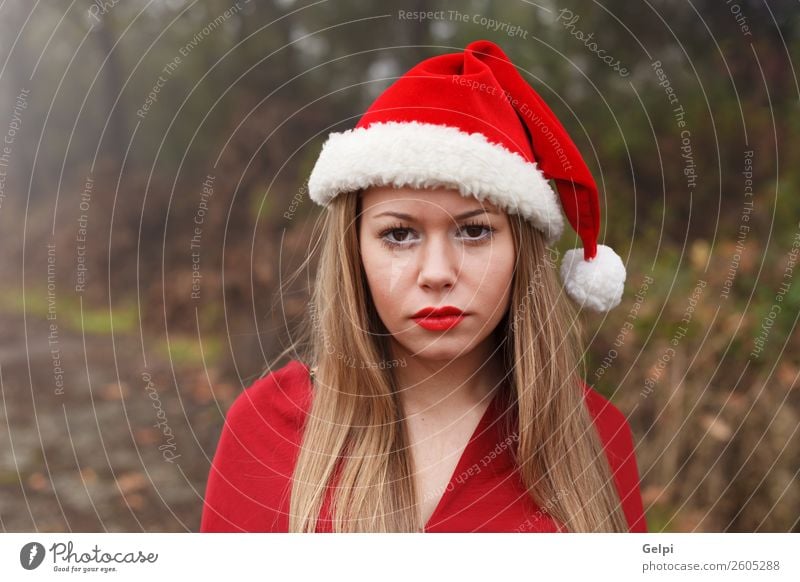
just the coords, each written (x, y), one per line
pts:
(437, 386)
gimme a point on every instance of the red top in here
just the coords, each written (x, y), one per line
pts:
(250, 477)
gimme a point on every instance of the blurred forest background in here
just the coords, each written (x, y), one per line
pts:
(127, 327)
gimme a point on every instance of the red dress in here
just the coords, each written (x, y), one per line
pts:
(249, 481)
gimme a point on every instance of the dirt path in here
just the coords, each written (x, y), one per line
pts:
(114, 447)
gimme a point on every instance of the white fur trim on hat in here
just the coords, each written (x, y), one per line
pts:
(425, 155)
(596, 284)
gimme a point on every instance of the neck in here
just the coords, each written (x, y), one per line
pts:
(438, 386)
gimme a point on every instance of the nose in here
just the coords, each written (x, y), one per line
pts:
(439, 263)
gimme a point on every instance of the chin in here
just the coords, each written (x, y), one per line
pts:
(439, 350)
(436, 355)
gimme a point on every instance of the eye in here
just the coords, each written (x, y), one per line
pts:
(399, 232)
(474, 230)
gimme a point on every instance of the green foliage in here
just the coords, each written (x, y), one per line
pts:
(68, 314)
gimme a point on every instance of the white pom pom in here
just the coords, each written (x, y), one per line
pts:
(595, 284)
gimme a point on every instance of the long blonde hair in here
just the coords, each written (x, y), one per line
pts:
(355, 435)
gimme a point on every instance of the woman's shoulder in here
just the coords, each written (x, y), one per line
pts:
(617, 438)
(612, 425)
(256, 452)
(605, 414)
(278, 401)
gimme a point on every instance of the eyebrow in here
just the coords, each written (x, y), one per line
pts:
(461, 216)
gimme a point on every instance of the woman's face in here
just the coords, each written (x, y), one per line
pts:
(436, 248)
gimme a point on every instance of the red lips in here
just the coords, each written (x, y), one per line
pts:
(438, 318)
(438, 311)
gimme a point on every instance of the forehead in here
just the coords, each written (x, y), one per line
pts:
(421, 202)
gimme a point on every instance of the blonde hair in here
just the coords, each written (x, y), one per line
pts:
(355, 438)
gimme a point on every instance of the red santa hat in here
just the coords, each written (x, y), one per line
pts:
(470, 122)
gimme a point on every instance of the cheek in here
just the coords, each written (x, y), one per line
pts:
(490, 276)
(384, 272)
